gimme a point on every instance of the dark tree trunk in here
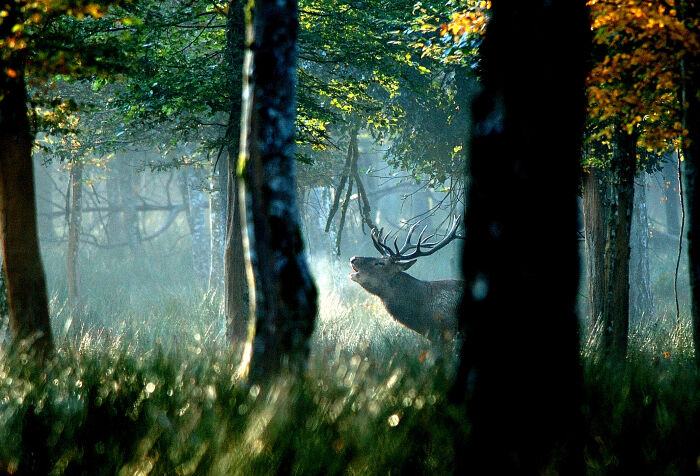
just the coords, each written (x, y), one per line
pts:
(236, 299)
(615, 323)
(74, 226)
(285, 295)
(691, 121)
(596, 203)
(520, 360)
(26, 284)
(641, 295)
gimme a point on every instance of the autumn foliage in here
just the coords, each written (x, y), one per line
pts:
(469, 21)
(635, 78)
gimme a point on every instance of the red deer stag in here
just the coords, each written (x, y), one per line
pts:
(427, 307)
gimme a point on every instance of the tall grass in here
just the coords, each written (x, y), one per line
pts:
(144, 383)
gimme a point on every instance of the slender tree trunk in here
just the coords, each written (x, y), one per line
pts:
(596, 203)
(198, 204)
(113, 225)
(74, 228)
(130, 218)
(690, 92)
(44, 204)
(617, 253)
(26, 283)
(236, 298)
(285, 296)
(520, 360)
(216, 236)
(641, 295)
(672, 206)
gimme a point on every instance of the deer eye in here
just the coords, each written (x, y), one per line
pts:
(379, 263)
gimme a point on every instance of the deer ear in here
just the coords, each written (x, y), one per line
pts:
(407, 264)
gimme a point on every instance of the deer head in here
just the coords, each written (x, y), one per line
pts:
(376, 274)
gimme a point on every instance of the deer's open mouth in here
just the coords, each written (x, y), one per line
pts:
(353, 276)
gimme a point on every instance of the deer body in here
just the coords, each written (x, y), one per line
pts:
(426, 307)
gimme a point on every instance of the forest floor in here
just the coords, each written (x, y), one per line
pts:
(155, 391)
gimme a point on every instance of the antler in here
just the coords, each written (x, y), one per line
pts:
(422, 248)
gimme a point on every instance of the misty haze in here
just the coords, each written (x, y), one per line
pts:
(342, 237)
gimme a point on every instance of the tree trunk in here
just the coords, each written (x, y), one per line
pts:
(641, 296)
(284, 294)
(113, 225)
(198, 204)
(596, 203)
(44, 205)
(520, 359)
(216, 235)
(74, 226)
(691, 149)
(26, 283)
(617, 253)
(236, 298)
(672, 205)
(127, 191)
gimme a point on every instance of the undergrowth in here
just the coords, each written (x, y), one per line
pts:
(143, 382)
(108, 407)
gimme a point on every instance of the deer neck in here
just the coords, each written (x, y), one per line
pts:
(406, 302)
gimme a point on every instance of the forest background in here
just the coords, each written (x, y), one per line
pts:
(164, 162)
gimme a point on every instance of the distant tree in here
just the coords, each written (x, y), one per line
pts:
(284, 301)
(641, 299)
(196, 206)
(74, 228)
(519, 363)
(671, 202)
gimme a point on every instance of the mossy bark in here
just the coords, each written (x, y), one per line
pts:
(285, 296)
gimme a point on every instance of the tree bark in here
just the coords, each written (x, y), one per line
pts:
(74, 226)
(615, 325)
(26, 283)
(284, 294)
(641, 295)
(236, 298)
(596, 203)
(520, 360)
